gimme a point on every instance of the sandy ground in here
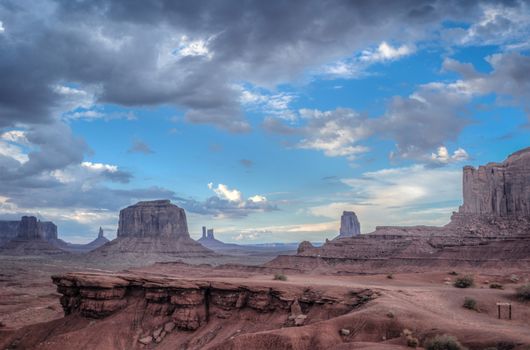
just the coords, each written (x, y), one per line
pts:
(423, 302)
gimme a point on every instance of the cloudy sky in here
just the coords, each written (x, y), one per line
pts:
(263, 119)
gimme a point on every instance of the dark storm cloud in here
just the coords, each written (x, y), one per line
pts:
(129, 49)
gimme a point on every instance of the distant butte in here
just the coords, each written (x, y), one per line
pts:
(491, 228)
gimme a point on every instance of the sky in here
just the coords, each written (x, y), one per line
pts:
(262, 119)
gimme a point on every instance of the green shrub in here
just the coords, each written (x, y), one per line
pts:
(523, 292)
(280, 277)
(496, 286)
(470, 303)
(444, 342)
(464, 282)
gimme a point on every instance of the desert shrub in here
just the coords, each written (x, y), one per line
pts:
(496, 286)
(390, 276)
(523, 292)
(280, 277)
(470, 303)
(453, 273)
(514, 278)
(412, 341)
(505, 345)
(444, 342)
(464, 282)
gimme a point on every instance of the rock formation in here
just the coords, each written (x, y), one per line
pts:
(82, 248)
(100, 233)
(8, 231)
(209, 234)
(28, 228)
(157, 218)
(154, 228)
(491, 229)
(349, 225)
(499, 189)
(47, 230)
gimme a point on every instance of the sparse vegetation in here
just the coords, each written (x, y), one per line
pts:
(453, 273)
(412, 342)
(523, 292)
(514, 278)
(280, 277)
(464, 282)
(390, 276)
(470, 303)
(496, 286)
(444, 342)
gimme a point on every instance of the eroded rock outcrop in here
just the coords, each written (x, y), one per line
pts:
(499, 189)
(155, 228)
(164, 303)
(491, 229)
(349, 225)
(157, 218)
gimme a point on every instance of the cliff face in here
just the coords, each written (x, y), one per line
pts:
(499, 189)
(349, 224)
(8, 231)
(153, 219)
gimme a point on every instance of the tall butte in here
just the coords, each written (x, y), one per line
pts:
(154, 227)
(499, 189)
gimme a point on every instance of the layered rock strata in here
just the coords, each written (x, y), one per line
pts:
(153, 228)
(163, 303)
(499, 189)
(157, 218)
(491, 229)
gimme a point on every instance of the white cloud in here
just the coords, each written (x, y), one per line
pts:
(443, 157)
(2, 28)
(356, 66)
(334, 132)
(398, 196)
(257, 198)
(194, 48)
(498, 25)
(16, 136)
(225, 193)
(266, 102)
(99, 167)
(386, 52)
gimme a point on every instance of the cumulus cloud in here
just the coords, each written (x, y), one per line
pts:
(228, 202)
(443, 157)
(335, 133)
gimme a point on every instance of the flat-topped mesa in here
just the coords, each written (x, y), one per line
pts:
(157, 218)
(498, 189)
(349, 224)
(28, 229)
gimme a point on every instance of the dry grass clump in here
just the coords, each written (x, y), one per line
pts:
(470, 303)
(444, 342)
(464, 282)
(523, 292)
(280, 277)
(496, 286)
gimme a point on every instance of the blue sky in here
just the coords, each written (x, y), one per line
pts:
(264, 122)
